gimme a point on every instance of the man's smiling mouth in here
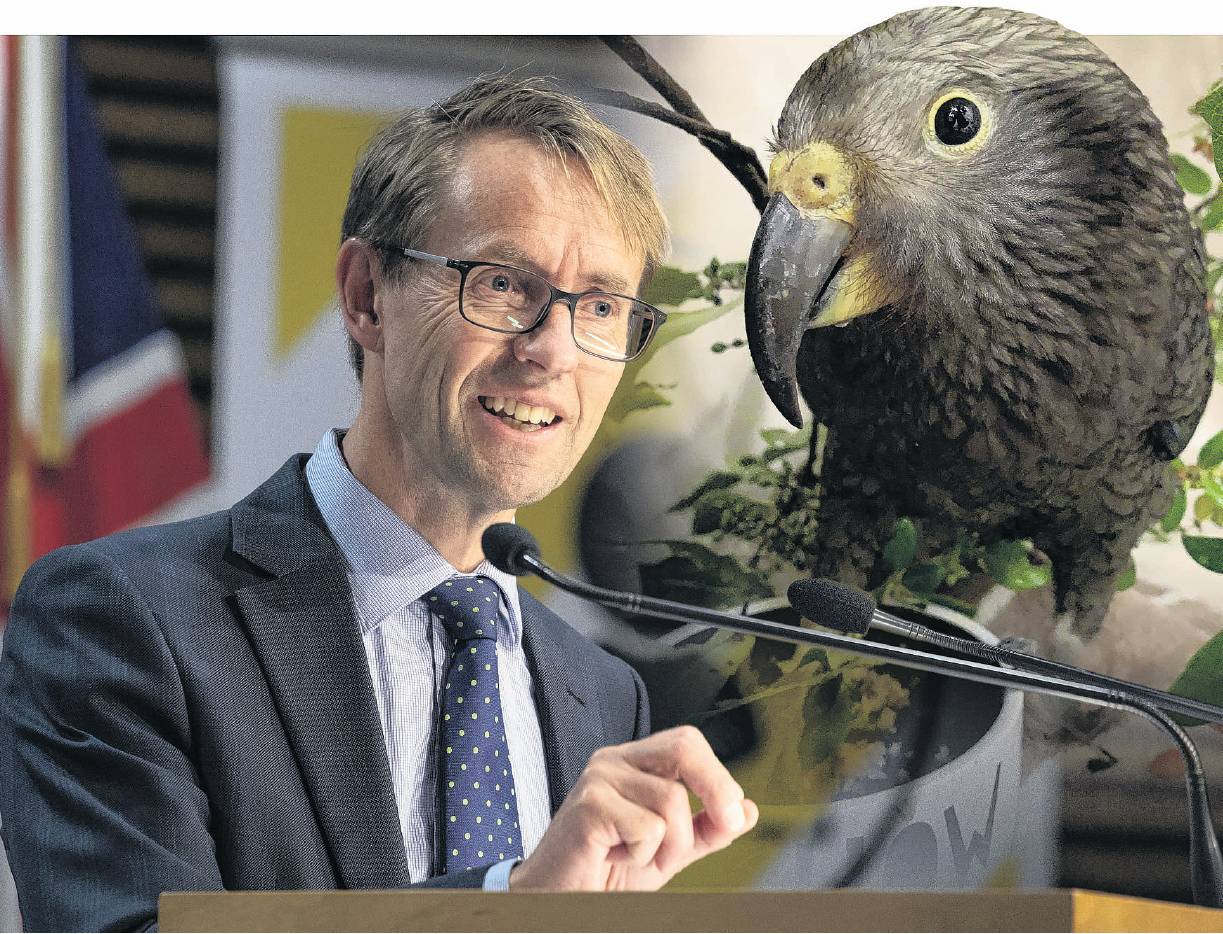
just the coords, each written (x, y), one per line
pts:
(518, 414)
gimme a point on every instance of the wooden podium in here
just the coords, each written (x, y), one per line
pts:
(845, 910)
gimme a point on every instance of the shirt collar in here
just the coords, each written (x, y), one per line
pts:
(390, 564)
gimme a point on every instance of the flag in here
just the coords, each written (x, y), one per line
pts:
(103, 432)
(8, 229)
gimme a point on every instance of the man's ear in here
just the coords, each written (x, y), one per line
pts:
(358, 277)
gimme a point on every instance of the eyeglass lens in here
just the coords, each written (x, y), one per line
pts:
(507, 299)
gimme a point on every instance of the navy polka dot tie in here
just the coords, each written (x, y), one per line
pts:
(480, 813)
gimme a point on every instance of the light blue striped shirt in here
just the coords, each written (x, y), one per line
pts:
(390, 567)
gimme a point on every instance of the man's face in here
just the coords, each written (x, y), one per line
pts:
(510, 203)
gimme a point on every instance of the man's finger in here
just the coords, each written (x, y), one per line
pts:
(669, 800)
(709, 837)
(683, 753)
(629, 832)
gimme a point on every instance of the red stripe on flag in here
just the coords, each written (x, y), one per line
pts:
(123, 469)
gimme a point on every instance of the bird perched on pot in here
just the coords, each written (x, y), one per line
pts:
(977, 270)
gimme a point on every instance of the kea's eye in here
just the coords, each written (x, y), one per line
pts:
(957, 121)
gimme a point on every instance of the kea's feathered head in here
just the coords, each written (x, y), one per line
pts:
(951, 163)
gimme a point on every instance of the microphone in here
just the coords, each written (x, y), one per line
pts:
(505, 544)
(845, 609)
(815, 599)
(512, 549)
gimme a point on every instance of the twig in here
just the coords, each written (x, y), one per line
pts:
(623, 101)
(739, 160)
(657, 77)
(1206, 203)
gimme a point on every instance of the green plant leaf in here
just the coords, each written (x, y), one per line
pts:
(731, 274)
(776, 436)
(1202, 678)
(1206, 551)
(831, 708)
(1010, 564)
(640, 395)
(814, 655)
(1127, 578)
(1211, 455)
(1214, 489)
(1176, 512)
(726, 509)
(718, 480)
(755, 697)
(924, 578)
(682, 323)
(760, 475)
(782, 442)
(671, 286)
(1214, 272)
(1214, 216)
(898, 553)
(1203, 508)
(1210, 109)
(698, 575)
(1192, 178)
(706, 517)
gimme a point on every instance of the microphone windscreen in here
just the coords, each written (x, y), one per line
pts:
(504, 545)
(836, 606)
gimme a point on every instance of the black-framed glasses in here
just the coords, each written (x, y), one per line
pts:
(513, 301)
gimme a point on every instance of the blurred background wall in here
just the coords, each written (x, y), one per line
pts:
(232, 158)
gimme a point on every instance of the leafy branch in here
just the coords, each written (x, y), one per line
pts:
(718, 285)
(1203, 184)
(1202, 484)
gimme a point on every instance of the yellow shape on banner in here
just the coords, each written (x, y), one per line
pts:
(318, 150)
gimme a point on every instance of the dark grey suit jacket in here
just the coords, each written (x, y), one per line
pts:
(188, 707)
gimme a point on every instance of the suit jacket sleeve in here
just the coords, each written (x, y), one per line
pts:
(101, 803)
(101, 808)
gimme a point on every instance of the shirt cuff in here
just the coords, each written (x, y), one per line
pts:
(497, 879)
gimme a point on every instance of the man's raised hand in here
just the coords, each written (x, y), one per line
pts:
(627, 823)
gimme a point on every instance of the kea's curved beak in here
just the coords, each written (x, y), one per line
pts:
(793, 260)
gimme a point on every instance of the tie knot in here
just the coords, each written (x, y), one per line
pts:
(467, 607)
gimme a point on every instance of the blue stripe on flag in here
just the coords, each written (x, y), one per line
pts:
(112, 300)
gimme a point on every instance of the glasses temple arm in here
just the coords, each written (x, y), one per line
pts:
(426, 257)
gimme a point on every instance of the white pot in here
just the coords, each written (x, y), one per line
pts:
(959, 821)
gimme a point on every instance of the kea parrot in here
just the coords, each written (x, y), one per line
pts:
(976, 267)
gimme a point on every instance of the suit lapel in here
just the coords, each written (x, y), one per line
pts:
(304, 629)
(565, 695)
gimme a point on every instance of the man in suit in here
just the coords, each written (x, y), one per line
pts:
(283, 694)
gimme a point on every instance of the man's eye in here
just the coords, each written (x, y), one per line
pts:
(501, 283)
(603, 309)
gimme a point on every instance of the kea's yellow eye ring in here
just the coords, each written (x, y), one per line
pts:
(957, 124)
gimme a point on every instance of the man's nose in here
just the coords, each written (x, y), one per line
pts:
(551, 345)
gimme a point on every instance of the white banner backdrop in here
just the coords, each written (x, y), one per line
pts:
(274, 398)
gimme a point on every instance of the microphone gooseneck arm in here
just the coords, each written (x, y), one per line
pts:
(1205, 857)
(1172, 703)
(910, 658)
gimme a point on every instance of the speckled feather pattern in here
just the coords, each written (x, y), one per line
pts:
(1052, 305)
